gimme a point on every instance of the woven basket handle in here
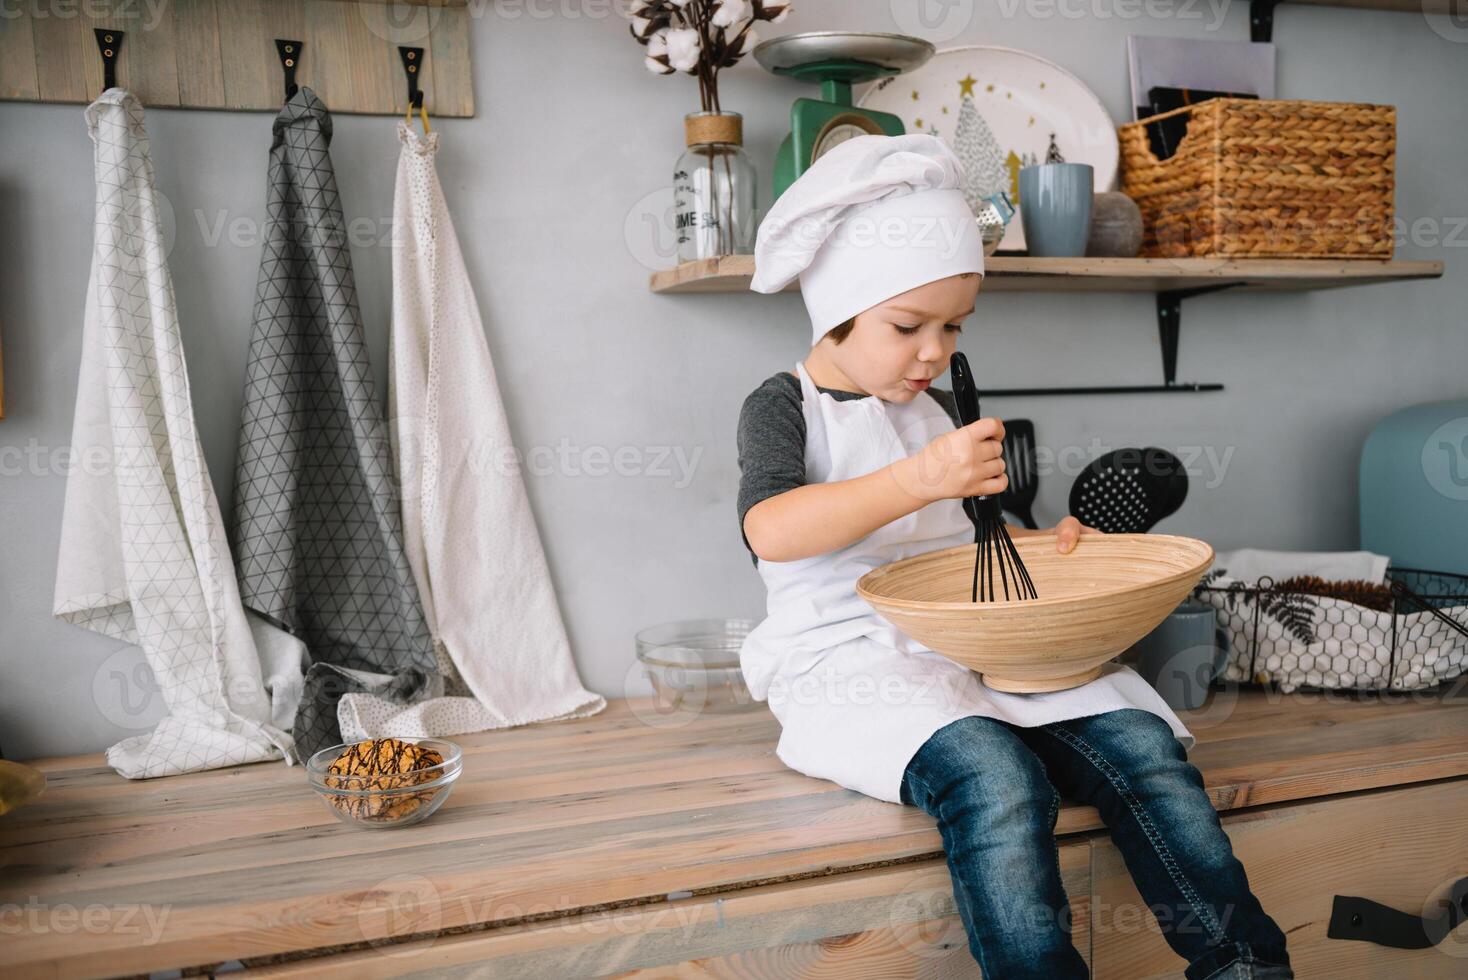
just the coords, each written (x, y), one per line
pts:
(1169, 114)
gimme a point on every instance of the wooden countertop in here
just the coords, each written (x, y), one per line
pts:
(103, 876)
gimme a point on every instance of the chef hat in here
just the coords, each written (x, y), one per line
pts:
(873, 217)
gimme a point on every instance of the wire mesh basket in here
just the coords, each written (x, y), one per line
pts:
(1408, 634)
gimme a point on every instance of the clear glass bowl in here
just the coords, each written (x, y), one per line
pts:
(388, 799)
(694, 664)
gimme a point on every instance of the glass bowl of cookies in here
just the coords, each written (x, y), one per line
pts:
(385, 782)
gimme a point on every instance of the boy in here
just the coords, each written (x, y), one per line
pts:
(852, 461)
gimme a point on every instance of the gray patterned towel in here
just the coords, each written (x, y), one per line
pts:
(317, 530)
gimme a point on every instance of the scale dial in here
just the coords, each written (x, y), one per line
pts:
(842, 128)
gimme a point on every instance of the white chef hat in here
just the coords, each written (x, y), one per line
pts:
(873, 217)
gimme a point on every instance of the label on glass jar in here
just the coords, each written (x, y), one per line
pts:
(689, 212)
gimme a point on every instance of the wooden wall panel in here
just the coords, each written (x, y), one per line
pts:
(451, 77)
(220, 54)
(61, 61)
(18, 61)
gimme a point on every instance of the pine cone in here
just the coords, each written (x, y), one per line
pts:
(1372, 595)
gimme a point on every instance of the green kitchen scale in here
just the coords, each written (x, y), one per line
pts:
(836, 60)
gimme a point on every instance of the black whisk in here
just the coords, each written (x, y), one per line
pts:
(994, 550)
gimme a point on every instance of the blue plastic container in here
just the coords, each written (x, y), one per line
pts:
(1414, 487)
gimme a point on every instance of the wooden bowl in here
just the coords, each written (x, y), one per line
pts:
(1106, 594)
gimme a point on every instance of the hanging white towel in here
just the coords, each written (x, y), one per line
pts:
(143, 553)
(468, 529)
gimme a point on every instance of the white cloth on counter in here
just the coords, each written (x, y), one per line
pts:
(871, 219)
(469, 532)
(856, 698)
(1252, 564)
(143, 554)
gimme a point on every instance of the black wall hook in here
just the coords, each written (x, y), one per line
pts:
(290, 60)
(109, 42)
(412, 62)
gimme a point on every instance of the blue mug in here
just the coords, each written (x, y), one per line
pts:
(1184, 655)
(1055, 208)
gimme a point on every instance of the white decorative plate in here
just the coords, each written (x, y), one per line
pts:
(997, 107)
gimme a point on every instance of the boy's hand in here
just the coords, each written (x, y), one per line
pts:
(966, 462)
(1068, 532)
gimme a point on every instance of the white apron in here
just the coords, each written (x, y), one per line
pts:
(855, 697)
(468, 530)
(143, 554)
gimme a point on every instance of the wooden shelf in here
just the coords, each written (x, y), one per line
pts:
(1261, 12)
(1022, 274)
(1400, 6)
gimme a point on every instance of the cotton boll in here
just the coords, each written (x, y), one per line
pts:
(772, 12)
(657, 54)
(746, 44)
(683, 48)
(728, 13)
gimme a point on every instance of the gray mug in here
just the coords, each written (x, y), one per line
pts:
(1183, 655)
(1055, 208)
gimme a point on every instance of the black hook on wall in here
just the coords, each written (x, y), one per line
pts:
(412, 61)
(290, 59)
(109, 42)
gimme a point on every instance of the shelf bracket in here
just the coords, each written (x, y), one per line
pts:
(1169, 322)
(1261, 20)
(1169, 319)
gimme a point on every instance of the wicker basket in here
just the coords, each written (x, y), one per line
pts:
(1267, 178)
(1413, 641)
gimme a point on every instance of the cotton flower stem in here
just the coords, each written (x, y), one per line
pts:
(726, 224)
(707, 83)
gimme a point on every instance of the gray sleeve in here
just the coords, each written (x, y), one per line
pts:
(771, 444)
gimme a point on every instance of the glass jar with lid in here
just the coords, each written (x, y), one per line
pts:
(714, 189)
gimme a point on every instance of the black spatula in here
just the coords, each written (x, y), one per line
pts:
(1127, 491)
(1024, 478)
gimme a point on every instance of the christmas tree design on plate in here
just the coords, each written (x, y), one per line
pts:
(984, 170)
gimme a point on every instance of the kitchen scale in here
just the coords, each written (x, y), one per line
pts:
(836, 60)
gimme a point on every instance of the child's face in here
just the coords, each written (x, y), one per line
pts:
(897, 348)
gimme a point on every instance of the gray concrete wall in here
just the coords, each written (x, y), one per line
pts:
(551, 185)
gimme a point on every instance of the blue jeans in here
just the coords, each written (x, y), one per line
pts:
(995, 789)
